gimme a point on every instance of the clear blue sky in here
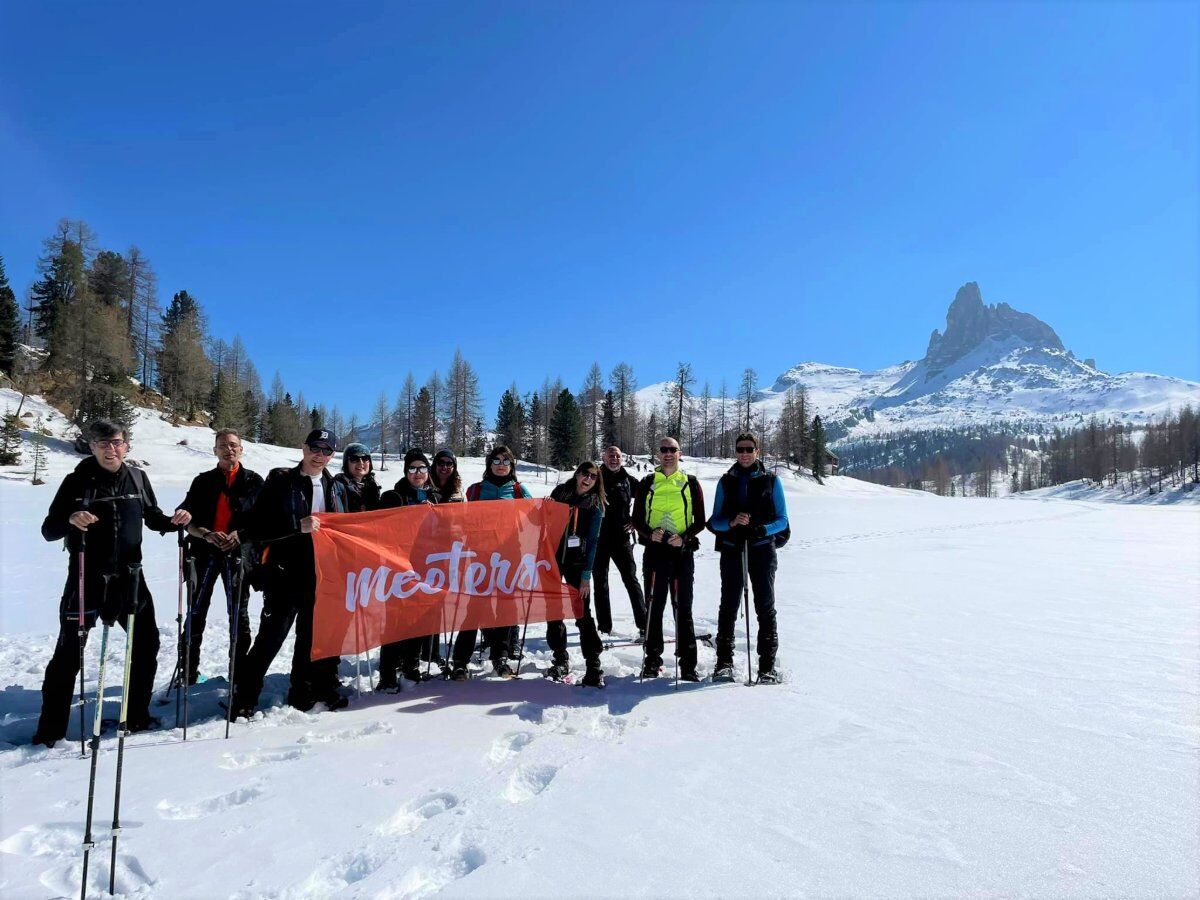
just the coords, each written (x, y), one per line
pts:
(358, 188)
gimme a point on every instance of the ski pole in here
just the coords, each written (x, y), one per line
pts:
(97, 722)
(675, 609)
(521, 652)
(136, 578)
(746, 598)
(235, 624)
(82, 630)
(179, 627)
(649, 609)
(186, 663)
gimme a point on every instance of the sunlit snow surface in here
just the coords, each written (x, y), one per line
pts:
(984, 697)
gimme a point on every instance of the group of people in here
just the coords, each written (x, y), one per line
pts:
(250, 532)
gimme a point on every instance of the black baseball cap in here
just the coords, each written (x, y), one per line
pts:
(321, 436)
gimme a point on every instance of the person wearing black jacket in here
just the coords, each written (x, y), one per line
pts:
(220, 501)
(282, 519)
(749, 516)
(358, 478)
(616, 543)
(104, 499)
(444, 477)
(668, 514)
(405, 656)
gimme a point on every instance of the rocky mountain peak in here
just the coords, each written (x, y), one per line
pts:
(970, 322)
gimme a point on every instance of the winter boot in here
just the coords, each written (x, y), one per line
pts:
(769, 676)
(502, 669)
(414, 674)
(593, 677)
(557, 671)
(387, 681)
(688, 675)
(651, 669)
(459, 672)
(723, 672)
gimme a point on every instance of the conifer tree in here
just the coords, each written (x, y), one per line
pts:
(818, 449)
(39, 450)
(10, 439)
(184, 369)
(10, 324)
(424, 420)
(608, 421)
(567, 437)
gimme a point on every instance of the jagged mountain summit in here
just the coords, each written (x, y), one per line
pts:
(993, 364)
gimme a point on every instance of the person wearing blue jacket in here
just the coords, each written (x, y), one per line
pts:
(584, 494)
(499, 483)
(750, 518)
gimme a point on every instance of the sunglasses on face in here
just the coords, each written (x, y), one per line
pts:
(501, 462)
(668, 449)
(444, 464)
(746, 449)
(414, 469)
(109, 445)
(357, 459)
(587, 476)
(320, 451)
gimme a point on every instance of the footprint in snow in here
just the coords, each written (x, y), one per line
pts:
(527, 782)
(257, 758)
(460, 858)
(346, 734)
(210, 806)
(414, 814)
(508, 745)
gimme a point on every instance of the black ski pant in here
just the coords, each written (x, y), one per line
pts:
(62, 673)
(762, 565)
(672, 570)
(496, 639)
(589, 637)
(311, 680)
(618, 549)
(405, 655)
(209, 569)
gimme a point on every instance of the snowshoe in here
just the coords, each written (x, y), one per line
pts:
(770, 676)
(558, 672)
(593, 678)
(723, 673)
(689, 675)
(651, 669)
(459, 673)
(39, 741)
(150, 723)
(501, 669)
(416, 676)
(334, 702)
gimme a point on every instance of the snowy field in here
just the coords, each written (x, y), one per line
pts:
(983, 698)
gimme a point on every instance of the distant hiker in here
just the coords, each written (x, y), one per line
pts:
(282, 519)
(109, 502)
(358, 478)
(499, 483)
(220, 501)
(668, 513)
(749, 519)
(413, 489)
(616, 543)
(576, 555)
(444, 477)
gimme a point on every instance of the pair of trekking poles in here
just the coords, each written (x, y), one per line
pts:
(191, 591)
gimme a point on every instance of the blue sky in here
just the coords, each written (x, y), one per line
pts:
(357, 189)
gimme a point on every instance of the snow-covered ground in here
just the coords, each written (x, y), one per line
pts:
(985, 698)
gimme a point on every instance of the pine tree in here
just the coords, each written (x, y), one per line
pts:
(818, 449)
(477, 444)
(39, 450)
(10, 324)
(608, 420)
(535, 444)
(424, 420)
(184, 369)
(10, 439)
(567, 436)
(510, 420)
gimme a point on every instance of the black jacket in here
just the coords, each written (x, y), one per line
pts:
(115, 542)
(206, 489)
(284, 500)
(619, 490)
(404, 494)
(360, 496)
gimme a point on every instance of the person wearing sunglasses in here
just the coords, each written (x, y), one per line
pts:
(576, 555)
(220, 501)
(750, 520)
(499, 483)
(358, 478)
(282, 520)
(405, 656)
(109, 502)
(668, 514)
(444, 478)
(615, 543)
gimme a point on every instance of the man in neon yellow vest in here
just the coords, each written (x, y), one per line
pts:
(668, 514)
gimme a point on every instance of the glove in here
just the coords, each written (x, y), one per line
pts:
(760, 532)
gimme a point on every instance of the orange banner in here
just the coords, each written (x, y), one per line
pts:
(397, 573)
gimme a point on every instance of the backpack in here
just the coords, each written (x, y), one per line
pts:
(474, 490)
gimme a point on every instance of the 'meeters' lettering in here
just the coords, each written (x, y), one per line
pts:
(380, 583)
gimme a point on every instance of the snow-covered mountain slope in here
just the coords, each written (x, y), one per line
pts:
(993, 364)
(983, 698)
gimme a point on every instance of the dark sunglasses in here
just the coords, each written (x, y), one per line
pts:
(445, 464)
(746, 449)
(320, 451)
(358, 458)
(590, 475)
(668, 449)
